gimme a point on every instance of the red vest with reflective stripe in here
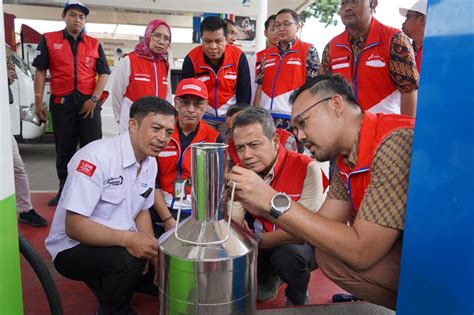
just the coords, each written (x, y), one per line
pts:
(369, 72)
(259, 61)
(289, 175)
(281, 76)
(170, 167)
(222, 85)
(147, 78)
(61, 63)
(375, 128)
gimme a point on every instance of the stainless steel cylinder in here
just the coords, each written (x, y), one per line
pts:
(208, 266)
(208, 165)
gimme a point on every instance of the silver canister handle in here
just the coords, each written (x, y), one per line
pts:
(228, 220)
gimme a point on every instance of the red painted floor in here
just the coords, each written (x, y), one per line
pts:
(77, 299)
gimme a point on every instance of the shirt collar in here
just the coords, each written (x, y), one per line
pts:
(276, 165)
(67, 35)
(128, 156)
(288, 47)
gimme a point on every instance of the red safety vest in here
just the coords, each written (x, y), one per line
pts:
(281, 76)
(222, 85)
(369, 71)
(147, 78)
(289, 175)
(61, 63)
(175, 164)
(375, 128)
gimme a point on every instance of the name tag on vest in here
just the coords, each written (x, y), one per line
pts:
(340, 66)
(294, 62)
(167, 153)
(203, 79)
(375, 63)
(230, 76)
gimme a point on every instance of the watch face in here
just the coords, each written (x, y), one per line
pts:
(281, 202)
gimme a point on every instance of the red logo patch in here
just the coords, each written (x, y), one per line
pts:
(86, 168)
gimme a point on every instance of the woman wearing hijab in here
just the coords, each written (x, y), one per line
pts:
(144, 71)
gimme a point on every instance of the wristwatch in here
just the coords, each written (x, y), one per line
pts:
(280, 204)
(94, 98)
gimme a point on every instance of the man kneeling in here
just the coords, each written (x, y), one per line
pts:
(280, 254)
(101, 233)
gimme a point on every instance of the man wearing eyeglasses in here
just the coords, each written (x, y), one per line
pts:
(377, 59)
(414, 27)
(284, 68)
(174, 161)
(222, 67)
(358, 231)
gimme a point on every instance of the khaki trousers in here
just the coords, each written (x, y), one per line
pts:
(378, 284)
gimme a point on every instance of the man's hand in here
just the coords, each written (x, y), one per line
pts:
(155, 263)
(170, 224)
(88, 108)
(141, 245)
(251, 190)
(41, 112)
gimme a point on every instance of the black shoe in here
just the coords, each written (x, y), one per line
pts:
(32, 218)
(341, 297)
(54, 201)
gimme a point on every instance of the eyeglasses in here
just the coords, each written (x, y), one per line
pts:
(299, 121)
(186, 103)
(158, 37)
(284, 24)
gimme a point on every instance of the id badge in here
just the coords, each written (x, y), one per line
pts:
(179, 188)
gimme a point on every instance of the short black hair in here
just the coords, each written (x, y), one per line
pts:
(256, 115)
(212, 24)
(328, 84)
(292, 12)
(147, 105)
(236, 108)
(267, 22)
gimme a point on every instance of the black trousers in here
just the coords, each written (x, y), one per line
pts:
(70, 130)
(293, 263)
(111, 273)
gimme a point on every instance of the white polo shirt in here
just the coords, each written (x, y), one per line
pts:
(102, 184)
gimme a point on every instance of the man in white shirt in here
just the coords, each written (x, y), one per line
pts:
(101, 232)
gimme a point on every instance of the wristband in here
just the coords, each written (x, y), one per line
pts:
(167, 219)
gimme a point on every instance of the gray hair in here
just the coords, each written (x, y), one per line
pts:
(255, 115)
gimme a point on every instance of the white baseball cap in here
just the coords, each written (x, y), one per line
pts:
(419, 6)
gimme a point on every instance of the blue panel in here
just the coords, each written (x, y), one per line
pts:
(437, 261)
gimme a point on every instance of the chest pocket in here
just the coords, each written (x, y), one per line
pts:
(111, 200)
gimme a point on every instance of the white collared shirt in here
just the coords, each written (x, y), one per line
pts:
(103, 185)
